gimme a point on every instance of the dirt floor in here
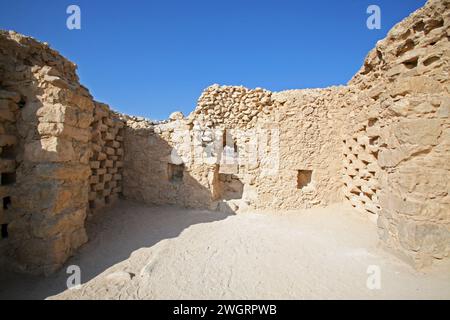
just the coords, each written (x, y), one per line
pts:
(136, 252)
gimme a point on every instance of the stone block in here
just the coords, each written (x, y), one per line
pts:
(424, 132)
(49, 149)
(47, 227)
(100, 171)
(7, 140)
(108, 136)
(10, 95)
(59, 171)
(64, 130)
(112, 170)
(110, 151)
(7, 165)
(119, 164)
(94, 179)
(109, 163)
(415, 85)
(95, 164)
(99, 186)
(101, 156)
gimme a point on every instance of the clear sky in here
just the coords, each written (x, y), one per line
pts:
(149, 58)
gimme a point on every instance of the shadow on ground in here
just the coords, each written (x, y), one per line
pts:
(113, 235)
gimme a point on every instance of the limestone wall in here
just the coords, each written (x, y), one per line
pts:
(106, 160)
(310, 150)
(240, 163)
(49, 113)
(360, 139)
(160, 168)
(194, 146)
(407, 79)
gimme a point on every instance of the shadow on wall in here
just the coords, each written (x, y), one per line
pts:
(27, 194)
(115, 232)
(154, 174)
(48, 199)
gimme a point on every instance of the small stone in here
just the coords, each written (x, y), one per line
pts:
(177, 115)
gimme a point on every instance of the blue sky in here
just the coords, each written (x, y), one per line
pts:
(149, 58)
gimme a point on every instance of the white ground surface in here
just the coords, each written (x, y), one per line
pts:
(136, 252)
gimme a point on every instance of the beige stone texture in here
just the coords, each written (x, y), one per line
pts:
(380, 143)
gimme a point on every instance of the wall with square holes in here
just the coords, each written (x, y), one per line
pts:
(107, 157)
(9, 108)
(405, 89)
(361, 169)
(60, 156)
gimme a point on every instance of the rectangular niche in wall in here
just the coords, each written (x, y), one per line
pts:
(303, 178)
(4, 231)
(8, 152)
(6, 203)
(231, 187)
(175, 172)
(8, 178)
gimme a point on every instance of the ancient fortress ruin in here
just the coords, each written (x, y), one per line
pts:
(381, 143)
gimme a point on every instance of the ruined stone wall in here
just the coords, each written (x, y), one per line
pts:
(309, 150)
(50, 114)
(232, 106)
(106, 160)
(288, 153)
(237, 162)
(160, 168)
(61, 155)
(194, 147)
(406, 78)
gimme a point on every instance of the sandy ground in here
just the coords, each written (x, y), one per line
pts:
(136, 252)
